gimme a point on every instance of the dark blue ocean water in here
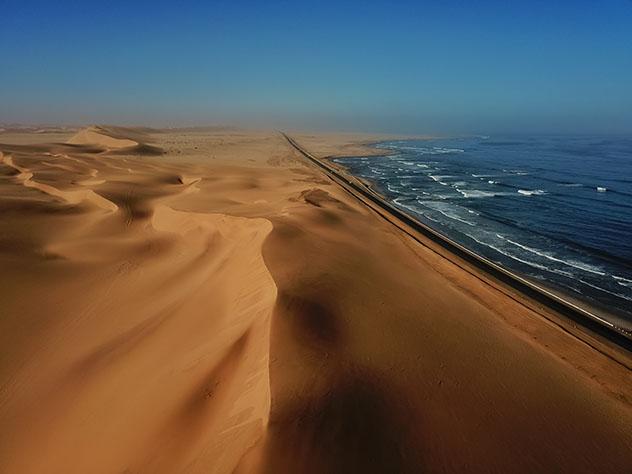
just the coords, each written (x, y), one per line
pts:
(555, 209)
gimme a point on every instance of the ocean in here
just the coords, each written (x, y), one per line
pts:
(557, 210)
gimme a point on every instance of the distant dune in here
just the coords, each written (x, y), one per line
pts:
(115, 139)
(99, 137)
(204, 300)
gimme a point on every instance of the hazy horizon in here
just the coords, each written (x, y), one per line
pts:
(433, 68)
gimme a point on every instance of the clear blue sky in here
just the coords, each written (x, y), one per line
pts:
(440, 66)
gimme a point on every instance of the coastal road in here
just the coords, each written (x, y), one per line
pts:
(593, 329)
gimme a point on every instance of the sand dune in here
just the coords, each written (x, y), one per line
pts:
(117, 140)
(99, 137)
(72, 197)
(224, 307)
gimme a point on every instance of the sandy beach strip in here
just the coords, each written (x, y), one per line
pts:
(207, 300)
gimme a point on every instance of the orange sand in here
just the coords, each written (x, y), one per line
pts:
(206, 301)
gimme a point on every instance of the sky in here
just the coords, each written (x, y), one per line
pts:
(444, 66)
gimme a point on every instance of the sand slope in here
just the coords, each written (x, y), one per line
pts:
(115, 140)
(99, 137)
(223, 307)
(133, 334)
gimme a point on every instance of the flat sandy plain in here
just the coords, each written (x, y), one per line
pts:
(206, 301)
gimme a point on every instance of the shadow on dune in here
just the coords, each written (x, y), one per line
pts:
(142, 149)
(354, 427)
(332, 411)
(313, 321)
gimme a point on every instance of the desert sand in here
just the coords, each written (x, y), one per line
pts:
(206, 301)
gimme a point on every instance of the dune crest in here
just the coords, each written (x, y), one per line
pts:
(25, 177)
(98, 136)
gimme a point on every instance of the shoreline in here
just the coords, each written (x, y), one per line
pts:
(600, 312)
(621, 338)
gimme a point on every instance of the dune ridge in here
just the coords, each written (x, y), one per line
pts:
(224, 307)
(72, 197)
(98, 136)
(116, 140)
(194, 327)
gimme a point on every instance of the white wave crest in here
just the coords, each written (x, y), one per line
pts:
(446, 210)
(532, 192)
(570, 263)
(475, 193)
(487, 244)
(625, 297)
(623, 281)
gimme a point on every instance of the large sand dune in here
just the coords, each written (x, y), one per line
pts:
(224, 307)
(115, 140)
